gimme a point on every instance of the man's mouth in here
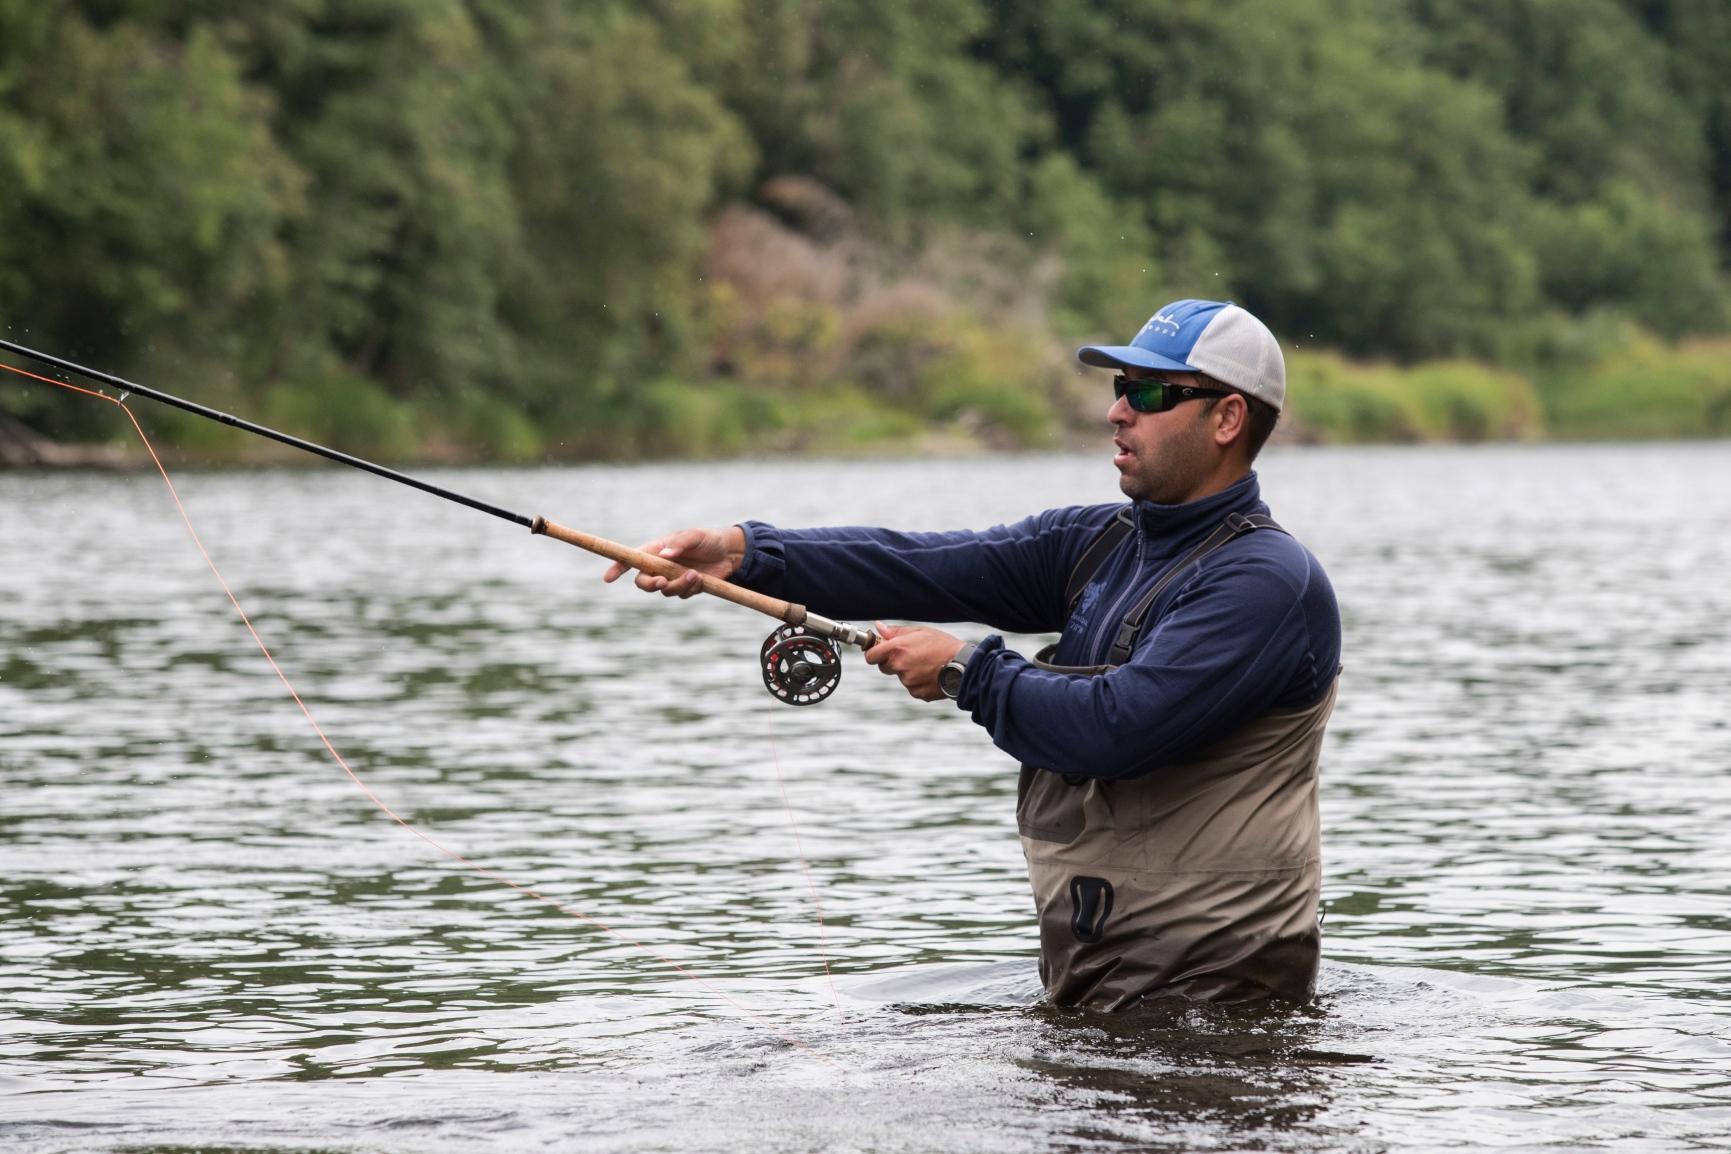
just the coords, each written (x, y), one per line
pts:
(1125, 456)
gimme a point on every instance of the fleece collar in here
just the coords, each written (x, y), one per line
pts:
(1169, 521)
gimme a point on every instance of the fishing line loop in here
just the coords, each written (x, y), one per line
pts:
(379, 802)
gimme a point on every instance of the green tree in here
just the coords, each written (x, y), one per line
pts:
(145, 196)
(618, 156)
(390, 109)
(880, 100)
(1628, 173)
(1697, 36)
(1292, 155)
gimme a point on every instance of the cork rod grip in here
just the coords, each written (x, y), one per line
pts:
(662, 567)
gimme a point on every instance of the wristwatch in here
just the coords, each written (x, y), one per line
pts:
(950, 676)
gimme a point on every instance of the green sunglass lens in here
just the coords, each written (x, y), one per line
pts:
(1145, 398)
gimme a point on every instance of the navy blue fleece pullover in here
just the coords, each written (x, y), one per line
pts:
(1252, 628)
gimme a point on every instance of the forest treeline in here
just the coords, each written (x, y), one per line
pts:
(517, 229)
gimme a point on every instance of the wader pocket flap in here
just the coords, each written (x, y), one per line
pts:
(1090, 906)
(1047, 807)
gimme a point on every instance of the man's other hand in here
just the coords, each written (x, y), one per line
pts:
(914, 654)
(716, 552)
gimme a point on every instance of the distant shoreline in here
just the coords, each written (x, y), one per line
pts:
(1648, 391)
(111, 457)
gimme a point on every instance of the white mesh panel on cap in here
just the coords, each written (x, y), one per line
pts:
(1238, 350)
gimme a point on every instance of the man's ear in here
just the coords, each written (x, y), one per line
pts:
(1231, 419)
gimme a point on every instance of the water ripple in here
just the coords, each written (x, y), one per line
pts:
(1525, 795)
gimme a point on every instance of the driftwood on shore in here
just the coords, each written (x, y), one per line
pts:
(22, 447)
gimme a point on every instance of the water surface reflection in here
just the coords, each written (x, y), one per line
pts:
(211, 938)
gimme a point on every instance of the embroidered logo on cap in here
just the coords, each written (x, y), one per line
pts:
(1166, 324)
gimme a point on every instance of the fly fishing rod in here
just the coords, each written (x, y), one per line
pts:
(800, 660)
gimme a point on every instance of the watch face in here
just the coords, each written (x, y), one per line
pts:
(950, 679)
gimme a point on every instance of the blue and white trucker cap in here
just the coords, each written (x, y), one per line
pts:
(1213, 337)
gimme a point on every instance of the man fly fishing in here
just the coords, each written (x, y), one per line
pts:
(1170, 739)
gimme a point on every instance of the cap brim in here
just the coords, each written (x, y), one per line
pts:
(1129, 357)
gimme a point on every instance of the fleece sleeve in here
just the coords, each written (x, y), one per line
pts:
(1009, 577)
(1234, 639)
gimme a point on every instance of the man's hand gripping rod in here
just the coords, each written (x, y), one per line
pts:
(801, 665)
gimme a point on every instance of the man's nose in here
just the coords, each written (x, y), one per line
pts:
(1120, 412)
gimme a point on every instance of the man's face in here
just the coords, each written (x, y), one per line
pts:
(1162, 457)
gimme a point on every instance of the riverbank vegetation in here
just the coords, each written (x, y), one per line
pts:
(531, 230)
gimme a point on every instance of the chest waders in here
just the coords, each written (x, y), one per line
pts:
(1199, 879)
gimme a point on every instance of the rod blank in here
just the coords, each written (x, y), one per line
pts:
(786, 611)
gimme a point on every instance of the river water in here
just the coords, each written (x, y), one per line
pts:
(211, 939)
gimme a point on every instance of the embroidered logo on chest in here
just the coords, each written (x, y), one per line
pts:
(1084, 607)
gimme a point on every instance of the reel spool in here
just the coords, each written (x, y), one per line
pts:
(799, 668)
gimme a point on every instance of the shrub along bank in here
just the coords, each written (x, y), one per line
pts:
(1662, 392)
(1659, 392)
(811, 337)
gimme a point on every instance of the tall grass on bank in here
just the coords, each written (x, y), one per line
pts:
(359, 416)
(959, 386)
(1332, 399)
(1645, 390)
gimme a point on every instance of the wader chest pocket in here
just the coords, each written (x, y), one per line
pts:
(1090, 906)
(1048, 808)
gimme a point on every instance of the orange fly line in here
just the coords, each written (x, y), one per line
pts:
(324, 740)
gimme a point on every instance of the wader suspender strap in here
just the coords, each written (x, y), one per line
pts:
(1235, 525)
(1102, 547)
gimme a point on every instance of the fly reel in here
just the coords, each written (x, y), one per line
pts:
(799, 668)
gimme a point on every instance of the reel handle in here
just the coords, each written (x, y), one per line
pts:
(835, 630)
